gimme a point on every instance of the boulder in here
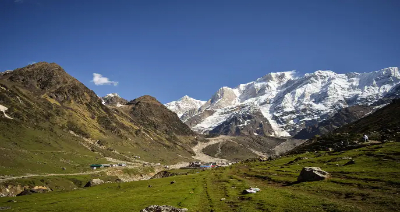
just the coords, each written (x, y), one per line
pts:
(94, 182)
(36, 189)
(312, 174)
(163, 208)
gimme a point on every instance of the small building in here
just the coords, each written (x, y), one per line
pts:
(96, 166)
(121, 164)
(106, 165)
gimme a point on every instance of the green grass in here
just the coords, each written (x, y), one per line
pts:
(371, 184)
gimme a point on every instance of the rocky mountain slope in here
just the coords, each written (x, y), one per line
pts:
(287, 102)
(342, 117)
(184, 104)
(49, 120)
(113, 99)
(383, 125)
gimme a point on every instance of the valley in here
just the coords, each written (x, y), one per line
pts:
(371, 184)
(53, 129)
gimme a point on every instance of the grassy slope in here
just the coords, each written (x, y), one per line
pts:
(371, 184)
(26, 150)
(46, 103)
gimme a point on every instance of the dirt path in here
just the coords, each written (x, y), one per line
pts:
(48, 175)
(198, 149)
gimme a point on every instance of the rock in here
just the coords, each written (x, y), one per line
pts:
(11, 190)
(36, 189)
(94, 182)
(350, 162)
(223, 199)
(63, 168)
(312, 174)
(163, 208)
(172, 182)
(11, 200)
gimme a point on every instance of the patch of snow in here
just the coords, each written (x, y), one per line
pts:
(184, 104)
(4, 109)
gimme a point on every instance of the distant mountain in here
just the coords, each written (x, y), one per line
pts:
(342, 117)
(44, 109)
(289, 103)
(113, 99)
(382, 125)
(184, 104)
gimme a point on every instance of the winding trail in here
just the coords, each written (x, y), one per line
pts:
(48, 175)
(198, 150)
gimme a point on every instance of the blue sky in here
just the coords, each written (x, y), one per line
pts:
(170, 48)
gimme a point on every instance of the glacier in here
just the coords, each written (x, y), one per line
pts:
(288, 101)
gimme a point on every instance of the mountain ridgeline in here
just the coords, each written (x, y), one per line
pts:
(46, 110)
(285, 104)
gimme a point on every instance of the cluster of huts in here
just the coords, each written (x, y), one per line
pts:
(97, 166)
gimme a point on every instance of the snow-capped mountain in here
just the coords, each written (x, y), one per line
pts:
(289, 102)
(113, 99)
(184, 105)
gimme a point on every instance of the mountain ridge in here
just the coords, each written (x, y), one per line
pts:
(50, 111)
(291, 102)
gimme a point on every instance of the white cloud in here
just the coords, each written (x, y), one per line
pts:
(31, 63)
(98, 79)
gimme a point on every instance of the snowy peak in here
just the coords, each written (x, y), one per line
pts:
(290, 102)
(113, 99)
(184, 105)
(277, 77)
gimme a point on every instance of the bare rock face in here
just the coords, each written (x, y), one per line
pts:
(94, 182)
(312, 174)
(163, 208)
(35, 189)
(251, 122)
(11, 190)
(113, 99)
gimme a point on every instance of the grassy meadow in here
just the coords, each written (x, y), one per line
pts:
(371, 184)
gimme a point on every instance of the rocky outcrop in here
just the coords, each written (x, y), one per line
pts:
(36, 189)
(11, 190)
(342, 117)
(113, 99)
(94, 182)
(163, 174)
(163, 208)
(146, 111)
(251, 122)
(312, 174)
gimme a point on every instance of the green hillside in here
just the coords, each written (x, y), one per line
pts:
(371, 184)
(59, 125)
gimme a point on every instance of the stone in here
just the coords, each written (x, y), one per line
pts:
(172, 182)
(223, 199)
(163, 208)
(312, 174)
(94, 182)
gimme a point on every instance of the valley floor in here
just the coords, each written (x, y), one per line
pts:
(371, 184)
